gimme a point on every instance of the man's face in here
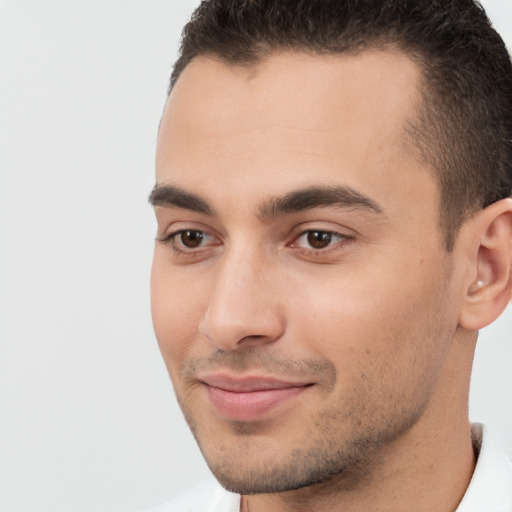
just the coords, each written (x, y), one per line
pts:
(302, 298)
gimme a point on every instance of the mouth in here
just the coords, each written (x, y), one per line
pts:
(250, 398)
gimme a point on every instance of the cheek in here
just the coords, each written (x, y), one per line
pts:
(177, 310)
(387, 350)
(365, 326)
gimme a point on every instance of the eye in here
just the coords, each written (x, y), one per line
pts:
(318, 240)
(191, 239)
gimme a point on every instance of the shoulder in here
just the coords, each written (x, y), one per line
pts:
(206, 497)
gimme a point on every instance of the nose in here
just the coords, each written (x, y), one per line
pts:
(244, 308)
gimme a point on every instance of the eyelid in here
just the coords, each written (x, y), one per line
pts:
(174, 230)
(337, 237)
(325, 227)
(168, 229)
(345, 237)
(325, 231)
(172, 235)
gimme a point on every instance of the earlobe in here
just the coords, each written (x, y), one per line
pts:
(490, 288)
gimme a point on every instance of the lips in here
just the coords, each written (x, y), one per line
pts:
(250, 398)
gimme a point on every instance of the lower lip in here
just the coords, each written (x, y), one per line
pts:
(253, 405)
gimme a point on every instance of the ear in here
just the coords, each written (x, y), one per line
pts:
(488, 289)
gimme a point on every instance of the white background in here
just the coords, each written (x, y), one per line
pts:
(88, 421)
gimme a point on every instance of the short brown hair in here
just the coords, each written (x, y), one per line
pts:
(464, 125)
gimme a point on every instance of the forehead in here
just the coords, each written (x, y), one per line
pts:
(300, 90)
(291, 120)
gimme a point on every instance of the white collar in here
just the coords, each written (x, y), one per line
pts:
(490, 489)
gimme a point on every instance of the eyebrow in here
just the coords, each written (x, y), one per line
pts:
(170, 195)
(339, 196)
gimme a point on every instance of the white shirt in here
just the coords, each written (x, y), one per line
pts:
(490, 489)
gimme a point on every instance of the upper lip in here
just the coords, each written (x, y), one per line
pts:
(248, 384)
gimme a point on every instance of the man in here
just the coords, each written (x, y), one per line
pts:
(334, 227)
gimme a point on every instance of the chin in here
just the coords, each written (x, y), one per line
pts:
(276, 473)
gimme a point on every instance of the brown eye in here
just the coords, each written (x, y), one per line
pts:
(319, 239)
(191, 239)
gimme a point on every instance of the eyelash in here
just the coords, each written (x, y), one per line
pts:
(171, 241)
(318, 252)
(182, 250)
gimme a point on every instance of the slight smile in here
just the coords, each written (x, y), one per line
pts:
(249, 398)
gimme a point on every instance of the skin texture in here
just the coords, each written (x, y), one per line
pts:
(371, 316)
